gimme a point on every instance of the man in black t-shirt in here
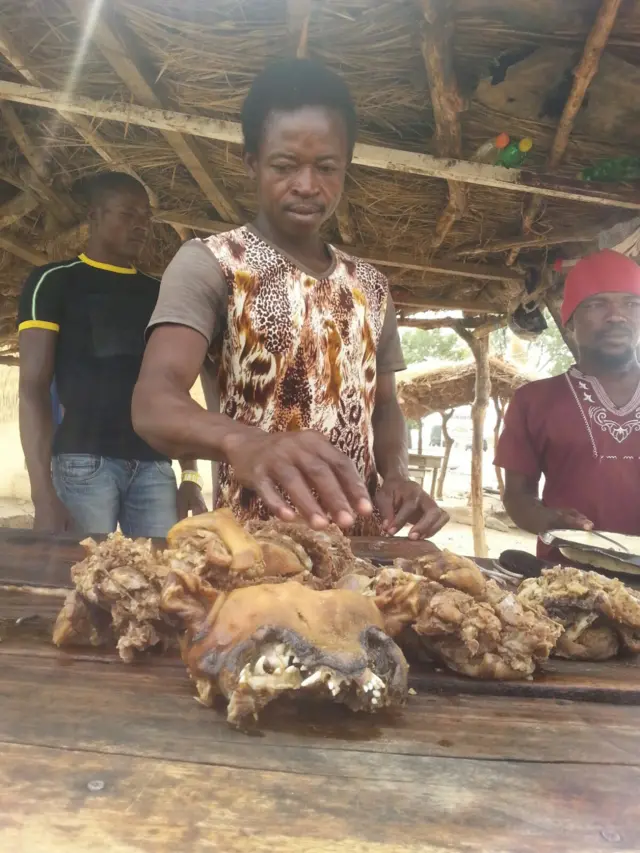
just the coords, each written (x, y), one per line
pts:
(82, 324)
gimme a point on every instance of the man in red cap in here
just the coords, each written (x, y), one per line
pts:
(581, 430)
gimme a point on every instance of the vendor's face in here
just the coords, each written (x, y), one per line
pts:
(608, 326)
(121, 223)
(300, 168)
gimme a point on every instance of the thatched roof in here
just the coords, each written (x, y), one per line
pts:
(448, 386)
(197, 57)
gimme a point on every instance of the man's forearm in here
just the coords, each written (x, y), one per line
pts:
(36, 435)
(390, 440)
(176, 425)
(528, 512)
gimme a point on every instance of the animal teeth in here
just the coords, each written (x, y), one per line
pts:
(375, 701)
(376, 693)
(314, 678)
(295, 660)
(259, 666)
(291, 669)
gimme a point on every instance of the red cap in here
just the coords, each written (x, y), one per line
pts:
(603, 272)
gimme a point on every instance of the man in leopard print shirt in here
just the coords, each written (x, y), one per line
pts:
(297, 340)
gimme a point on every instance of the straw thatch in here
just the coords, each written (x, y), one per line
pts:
(204, 55)
(422, 392)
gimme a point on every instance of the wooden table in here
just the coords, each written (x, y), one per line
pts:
(420, 463)
(98, 756)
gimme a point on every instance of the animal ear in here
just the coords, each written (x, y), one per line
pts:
(187, 596)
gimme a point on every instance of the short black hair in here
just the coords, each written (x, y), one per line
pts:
(101, 186)
(289, 85)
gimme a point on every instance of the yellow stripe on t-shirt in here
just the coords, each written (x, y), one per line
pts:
(38, 324)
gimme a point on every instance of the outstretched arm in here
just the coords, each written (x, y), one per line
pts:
(526, 509)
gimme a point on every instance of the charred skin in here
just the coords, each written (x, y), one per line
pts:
(256, 644)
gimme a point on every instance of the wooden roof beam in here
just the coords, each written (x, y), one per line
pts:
(22, 250)
(298, 17)
(435, 303)
(537, 242)
(14, 210)
(446, 103)
(582, 77)
(59, 205)
(372, 156)
(81, 124)
(127, 59)
(484, 272)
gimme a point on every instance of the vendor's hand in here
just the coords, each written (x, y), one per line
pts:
(569, 518)
(401, 501)
(190, 499)
(299, 463)
(51, 515)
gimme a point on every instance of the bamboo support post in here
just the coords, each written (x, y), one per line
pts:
(480, 349)
(500, 407)
(448, 445)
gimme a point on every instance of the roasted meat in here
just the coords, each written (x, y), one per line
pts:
(469, 623)
(117, 595)
(600, 616)
(254, 644)
(229, 556)
(329, 550)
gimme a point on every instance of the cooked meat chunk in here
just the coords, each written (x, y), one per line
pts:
(600, 616)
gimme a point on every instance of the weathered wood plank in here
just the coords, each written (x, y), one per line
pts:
(162, 806)
(134, 711)
(373, 156)
(45, 560)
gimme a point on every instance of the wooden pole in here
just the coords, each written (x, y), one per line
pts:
(446, 102)
(480, 349)
(372, 156)
(582, 76)
(500, 407)
(448, 444)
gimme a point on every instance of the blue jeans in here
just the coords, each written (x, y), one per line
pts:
(101, 493)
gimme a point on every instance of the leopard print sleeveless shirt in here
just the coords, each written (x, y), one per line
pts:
(298, 353)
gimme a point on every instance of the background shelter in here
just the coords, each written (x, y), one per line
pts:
(446, 387)
(154, 87)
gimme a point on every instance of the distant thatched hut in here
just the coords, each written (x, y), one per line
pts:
(442, 389)
(424, 391)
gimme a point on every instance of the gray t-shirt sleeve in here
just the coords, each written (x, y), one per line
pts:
(389, 357)
(193, 292)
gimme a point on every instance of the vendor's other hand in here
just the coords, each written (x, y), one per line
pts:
(190, 499)
(51, 515)
(569, 518)
(401, 501)
(321, 482)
